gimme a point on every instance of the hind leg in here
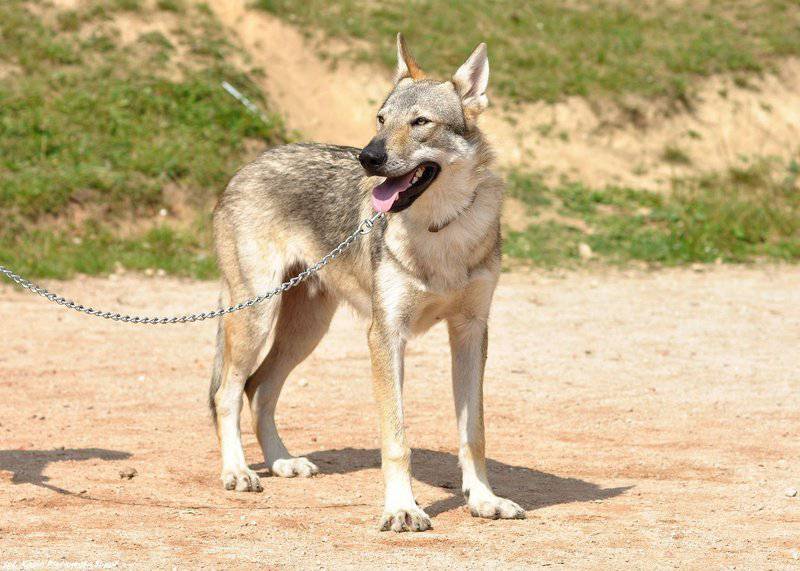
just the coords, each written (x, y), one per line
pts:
(241, 338)
(304, 317)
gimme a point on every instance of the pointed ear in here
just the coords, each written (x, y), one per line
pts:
(471, 81)
(406, 64)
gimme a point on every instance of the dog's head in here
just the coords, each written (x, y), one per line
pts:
(424, 127)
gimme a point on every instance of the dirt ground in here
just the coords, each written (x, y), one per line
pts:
(643, 420)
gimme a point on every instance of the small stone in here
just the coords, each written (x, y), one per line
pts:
(585, 251)
(161, 273)
(303, 383)
(163, 212)
(128, 473)
(795, 554)
(790, 492)
(149, 272)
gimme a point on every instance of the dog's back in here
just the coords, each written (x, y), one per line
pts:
(307, 187)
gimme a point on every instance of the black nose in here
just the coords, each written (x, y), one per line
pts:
(373, 155)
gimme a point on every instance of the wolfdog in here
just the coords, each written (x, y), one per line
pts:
(435, 257)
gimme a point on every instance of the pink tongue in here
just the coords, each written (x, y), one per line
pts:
(384, 195)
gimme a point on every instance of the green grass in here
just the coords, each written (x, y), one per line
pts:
(93, 130)
(48, 254)
(172, 5)
(747, 214)
(549, 49)
(676, 156)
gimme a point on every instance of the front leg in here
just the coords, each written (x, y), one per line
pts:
(401, 512)
(469, 343)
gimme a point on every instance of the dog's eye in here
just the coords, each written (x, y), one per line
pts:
(420, 121)
(381, 119)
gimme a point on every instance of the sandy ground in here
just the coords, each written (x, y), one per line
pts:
(643, 420)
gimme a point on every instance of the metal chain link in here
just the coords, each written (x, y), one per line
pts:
(364, 228)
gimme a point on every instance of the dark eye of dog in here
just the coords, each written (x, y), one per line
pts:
(420, 121)
(381, 119)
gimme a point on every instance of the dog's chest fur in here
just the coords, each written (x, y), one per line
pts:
(423, 276)
(440, 262)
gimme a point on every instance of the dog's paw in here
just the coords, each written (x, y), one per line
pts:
(291, 467)
(494, 507)
(409, 519)
(243, 480)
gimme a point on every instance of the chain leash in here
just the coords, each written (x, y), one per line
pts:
(363, 229)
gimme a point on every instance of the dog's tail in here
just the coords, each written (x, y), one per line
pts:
(216, 375)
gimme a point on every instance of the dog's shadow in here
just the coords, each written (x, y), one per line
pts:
(27, 466)
(531, 489)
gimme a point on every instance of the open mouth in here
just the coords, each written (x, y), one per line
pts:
(397, 193)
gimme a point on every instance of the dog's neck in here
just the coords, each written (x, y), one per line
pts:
(455, 190)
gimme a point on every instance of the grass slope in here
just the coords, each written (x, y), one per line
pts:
(115, 136)
(97, 136)
(549, 48)
(744, 215)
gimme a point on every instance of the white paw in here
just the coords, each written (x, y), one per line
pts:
(291, 467)
(494, 507)
(408, 519)
(243, 480)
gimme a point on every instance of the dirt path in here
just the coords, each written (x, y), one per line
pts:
(644, 420)
(593, 143)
